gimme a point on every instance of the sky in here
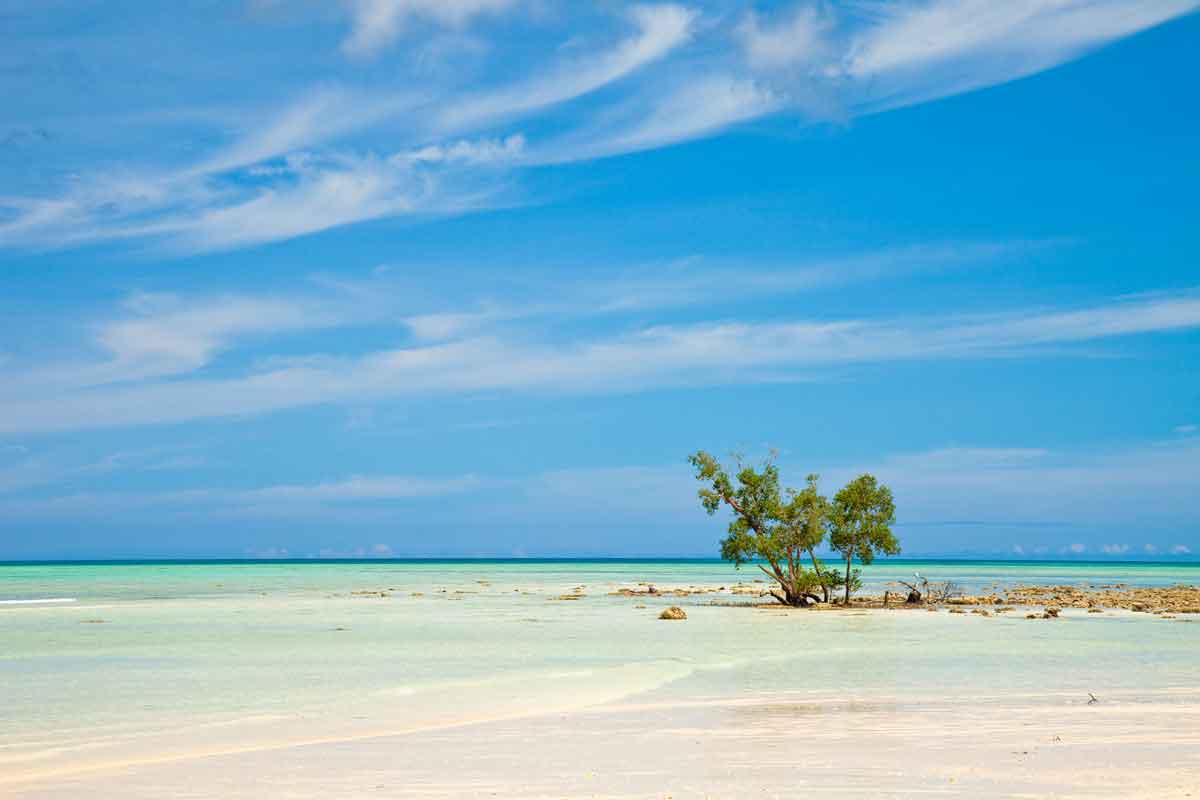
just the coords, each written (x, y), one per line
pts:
(383, 278)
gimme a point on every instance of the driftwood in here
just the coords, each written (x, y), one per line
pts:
(914, 594)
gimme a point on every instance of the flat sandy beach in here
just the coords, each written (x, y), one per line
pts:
(467, 681)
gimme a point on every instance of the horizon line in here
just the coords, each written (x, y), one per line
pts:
(135, 561)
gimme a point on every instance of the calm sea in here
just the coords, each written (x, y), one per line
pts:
(149, 580)
(104, 663)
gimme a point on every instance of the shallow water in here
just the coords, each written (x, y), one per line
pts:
(107, 581)
(153, 659)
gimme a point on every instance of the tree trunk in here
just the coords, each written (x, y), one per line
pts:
(818, 568)
(849, 561)
(791, 599)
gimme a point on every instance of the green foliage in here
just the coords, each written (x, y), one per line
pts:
(838, 581)
(769, 525)
(781, 527)
(860, 525)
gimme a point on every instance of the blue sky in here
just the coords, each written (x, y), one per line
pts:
(473, 277)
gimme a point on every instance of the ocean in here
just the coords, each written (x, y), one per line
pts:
(125, 663)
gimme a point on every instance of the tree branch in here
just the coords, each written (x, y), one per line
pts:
(775, 575)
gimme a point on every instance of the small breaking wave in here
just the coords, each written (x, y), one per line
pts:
(36, 601)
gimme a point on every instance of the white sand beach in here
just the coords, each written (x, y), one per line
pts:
(469, 682)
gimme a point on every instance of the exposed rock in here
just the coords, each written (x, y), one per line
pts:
(674, 612)
(1173, 599)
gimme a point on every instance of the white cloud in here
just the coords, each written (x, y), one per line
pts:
(376, 23)
(286, 191)
(1180, 550)
(165, 335)
(697, 107)
(389, 487)
(1150, 548)
(660, 29)
(441, 326)
(485, 151)
(342, 154)
(320, 114)
(800, 37)
(1114, 549)
(319, 200)
(160, 335)
(919, 51)
(710, 353)
(1076, 548)
(1186, 430)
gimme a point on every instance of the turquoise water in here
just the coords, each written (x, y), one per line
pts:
(117, 581)
(137, 660)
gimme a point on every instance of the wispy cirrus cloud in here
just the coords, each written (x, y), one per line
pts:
(797, 36)
(157, 335)
(161, 335)
(636, 359)
(686, 110)
(377, 23)
(921, 51)
(646, 75)
(659, 30)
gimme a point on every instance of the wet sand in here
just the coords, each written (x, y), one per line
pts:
(1126, 745)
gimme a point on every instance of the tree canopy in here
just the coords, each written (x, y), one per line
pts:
(769, 525)
(776, 529)
(860, 524)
